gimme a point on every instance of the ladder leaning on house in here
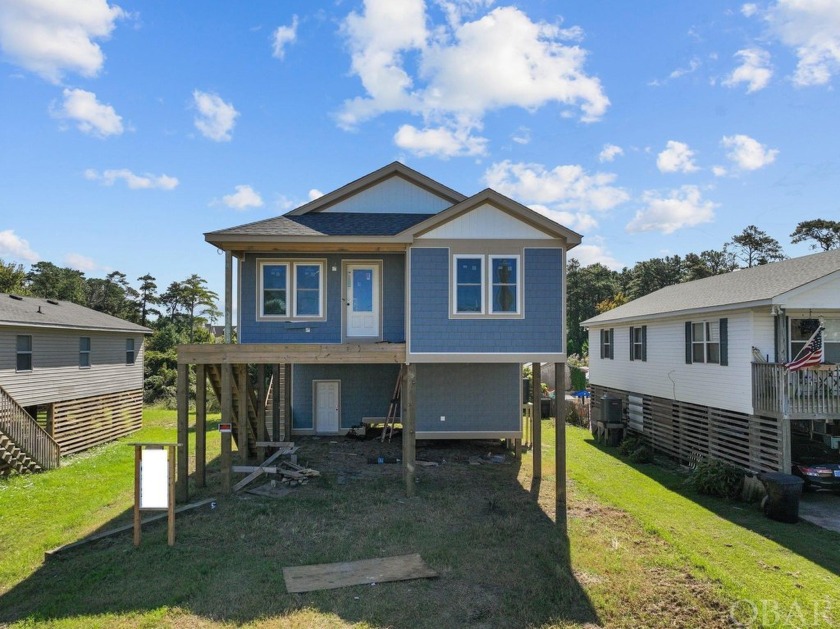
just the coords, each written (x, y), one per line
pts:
(391, 419)
(24, 445)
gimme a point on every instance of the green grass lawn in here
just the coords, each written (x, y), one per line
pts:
(641, 551)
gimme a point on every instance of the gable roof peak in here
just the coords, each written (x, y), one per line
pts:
(394, 169)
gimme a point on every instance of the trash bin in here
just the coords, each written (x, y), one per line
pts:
(783, 493)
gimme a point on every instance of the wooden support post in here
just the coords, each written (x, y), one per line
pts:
(200, 426)
(784, 444)
(182, 493)
(170, 511)
(137, 520)
(287, 401)
(227, 418)
(517, 449)
(560, 443)
(261, 410)
(228, 296)
(276, 393)
(409, 426)
(242, 412)
(536, 429)
(51, 419)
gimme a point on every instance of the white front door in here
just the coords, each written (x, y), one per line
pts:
(327, 405)
(362, 282)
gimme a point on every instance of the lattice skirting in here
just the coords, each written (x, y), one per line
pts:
(81, 424)
(684, 431)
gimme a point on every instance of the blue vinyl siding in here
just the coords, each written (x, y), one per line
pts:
(365, 391)
(473, 398)
(433, 331)
(328, 331)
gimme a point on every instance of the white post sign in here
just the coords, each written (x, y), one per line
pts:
(154, 479)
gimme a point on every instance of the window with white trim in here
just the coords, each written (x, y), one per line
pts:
(129, 352)
(486, 285)
(84, 351)
(705, 342)
(504, 284)
(469, 284)
(291, 289)
(607, 344)
(24, 352)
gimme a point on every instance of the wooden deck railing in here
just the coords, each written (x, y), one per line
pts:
(25, 432)
(803, 394)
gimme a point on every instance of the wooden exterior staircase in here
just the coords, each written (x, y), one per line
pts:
(24, 445)
(214, 376)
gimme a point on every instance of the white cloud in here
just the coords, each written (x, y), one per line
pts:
(609, 153)
(747, 153)
(589, 254)
(283, 36)
(80, 263)
(578, 221)
(14, 247)
(440, 73)
(683, 207)
(51, 37)
(245, 197)
(754, 70)
(719, 171)
(566, 187)
(215, 118)
(676, 157)
(135, 182)
(692, 67)
(440, 141)
(749, 9)
(522, 136)
(90, 115)
(812, 29)
(315, 194)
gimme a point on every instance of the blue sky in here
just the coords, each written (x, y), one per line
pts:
(128, 129)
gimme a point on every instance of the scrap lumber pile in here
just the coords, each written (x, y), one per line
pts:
(289, 472)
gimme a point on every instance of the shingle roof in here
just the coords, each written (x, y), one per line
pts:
(757, 284)
(327, 224)
(27, 311)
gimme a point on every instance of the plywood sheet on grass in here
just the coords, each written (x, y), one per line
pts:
(329, 576)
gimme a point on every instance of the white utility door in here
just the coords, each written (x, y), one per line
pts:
(362, 282)
(327, 405)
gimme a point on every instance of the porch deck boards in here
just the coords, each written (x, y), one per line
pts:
(267, 353)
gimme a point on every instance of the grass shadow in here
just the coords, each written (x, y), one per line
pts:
(818, 545)
(502, 562)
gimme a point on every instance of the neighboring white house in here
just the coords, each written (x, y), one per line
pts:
(700, 365)
(79, 369)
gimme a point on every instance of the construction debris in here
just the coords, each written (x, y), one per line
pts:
(290, 473)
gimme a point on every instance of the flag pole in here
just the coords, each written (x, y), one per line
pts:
(819, 329)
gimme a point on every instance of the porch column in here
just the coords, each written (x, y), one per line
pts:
(287, 402)
(560, 443)
(409, 426)
(261, 410)
(228, 296)
(227, 418)
(183, 392)
(200, 426)
(536, 419)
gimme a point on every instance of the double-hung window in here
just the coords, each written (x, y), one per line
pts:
(607, 343)
(486, 285)
(84, 351)
(24, 352)
(638, 343)
(707, 342)
(469, 284)
(291, 289)
(129, 352)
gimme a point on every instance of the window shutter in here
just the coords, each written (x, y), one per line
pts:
(644, 343)
(612, 343)
(631, 342)
(724, 342)
(601, 342)
(688, 342)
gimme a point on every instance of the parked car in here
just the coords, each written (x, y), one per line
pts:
(816, 463)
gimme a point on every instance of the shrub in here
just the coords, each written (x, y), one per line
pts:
(578, 378)
(716, 478)
(630, 444)
(642, 454)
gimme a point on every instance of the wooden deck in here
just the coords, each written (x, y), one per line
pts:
(803, 394)
(271, 354)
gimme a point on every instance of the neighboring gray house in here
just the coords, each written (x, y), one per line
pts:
(77, 371)
(701, 365)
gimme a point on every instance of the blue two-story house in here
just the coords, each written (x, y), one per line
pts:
(392, 270)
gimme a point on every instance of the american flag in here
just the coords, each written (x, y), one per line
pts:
(811, 354)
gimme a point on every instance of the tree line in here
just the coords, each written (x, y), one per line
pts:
(594, 289)
(177, 315)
